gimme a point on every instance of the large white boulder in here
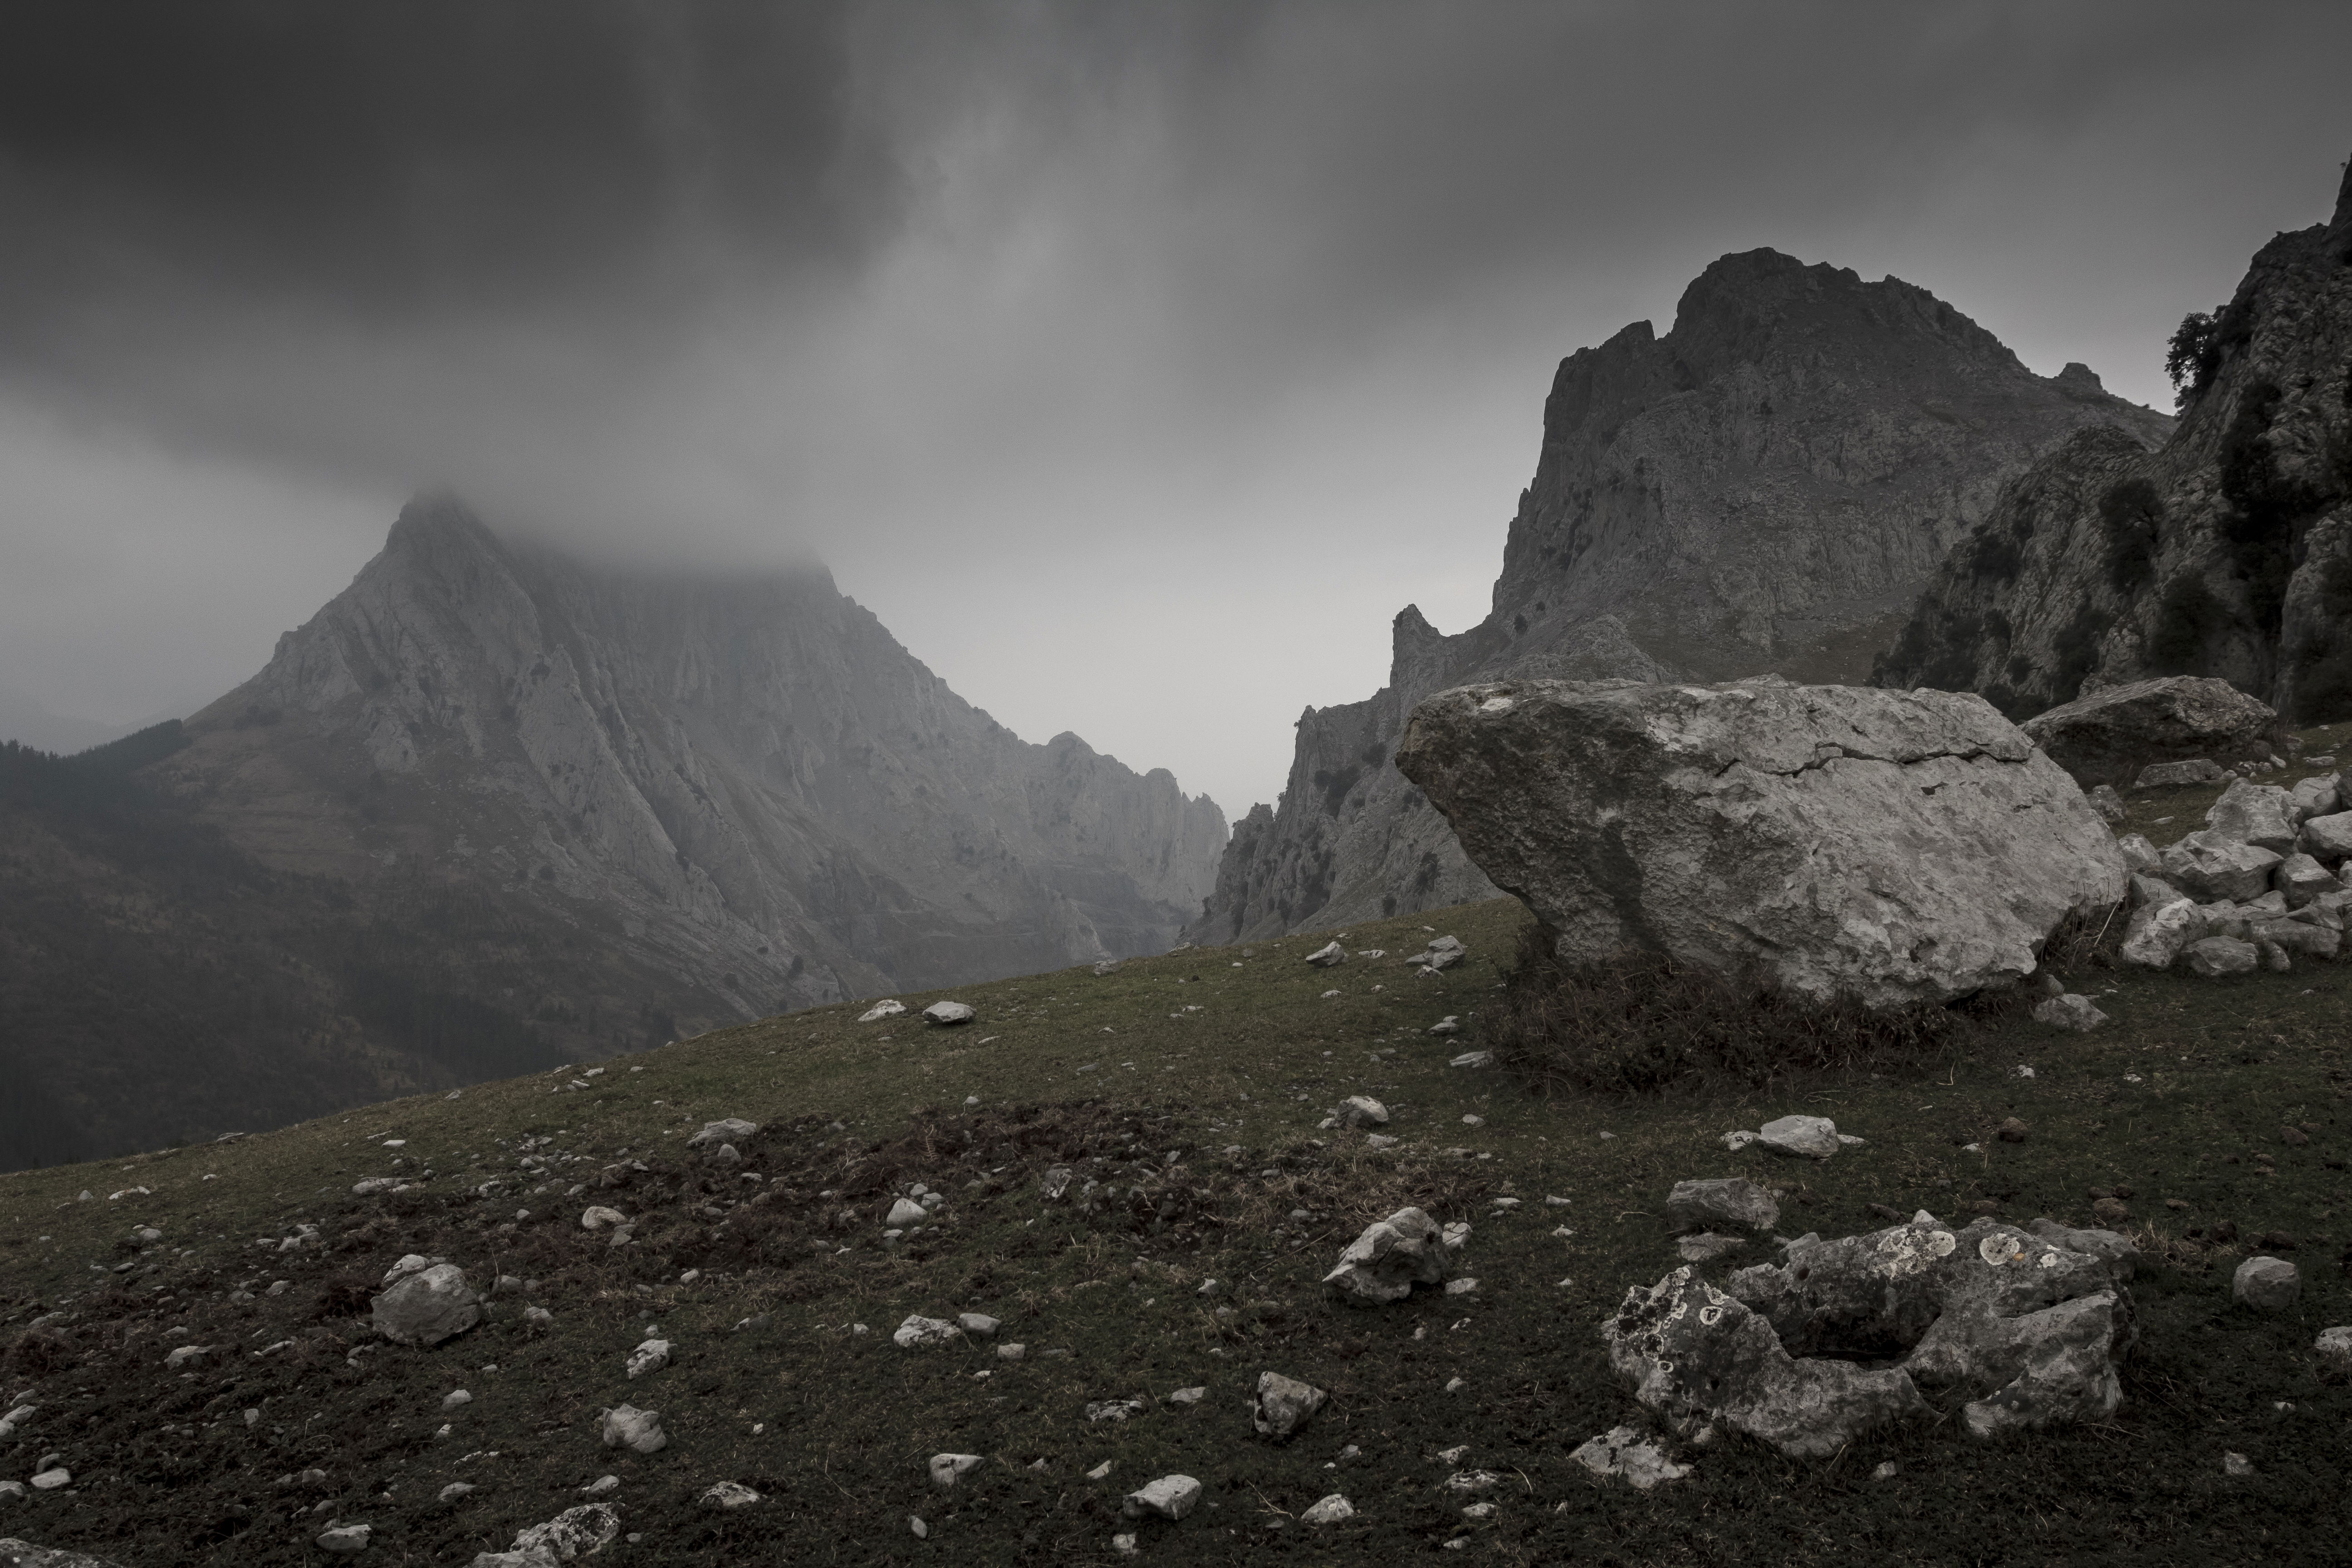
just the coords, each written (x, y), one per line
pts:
(1836, 842)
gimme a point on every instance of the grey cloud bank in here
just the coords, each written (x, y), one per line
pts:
(1135, 364)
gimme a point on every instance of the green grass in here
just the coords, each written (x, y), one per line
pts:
(2176, 1101)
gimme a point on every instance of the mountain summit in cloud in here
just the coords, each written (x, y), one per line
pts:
(743, 791)
(1767, 486)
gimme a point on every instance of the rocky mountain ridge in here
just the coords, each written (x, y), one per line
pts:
(2226, 553)
(1763, 489)
(746, 784)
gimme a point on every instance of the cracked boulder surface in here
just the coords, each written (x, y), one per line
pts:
(1841, 1340)
(1836, 843)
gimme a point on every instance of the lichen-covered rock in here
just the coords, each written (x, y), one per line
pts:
(2030, 1327)
(427, 1306)
(2111, 735)
(1621, 1452)
(1832, 842)
(1693, 1351)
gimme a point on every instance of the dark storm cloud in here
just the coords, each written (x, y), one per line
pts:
(1216, 331)
(389, 160)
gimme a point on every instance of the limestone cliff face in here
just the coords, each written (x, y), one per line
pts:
(1765, 488)
(742, 792)
(2227, 552)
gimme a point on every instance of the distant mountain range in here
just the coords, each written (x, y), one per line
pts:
(493, 806)
(24, 719)
(1768, 487)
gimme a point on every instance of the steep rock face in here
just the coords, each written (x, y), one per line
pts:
(1765, 488)
(2226, 553)
(744, 791)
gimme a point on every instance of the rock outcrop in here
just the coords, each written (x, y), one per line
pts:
(2225, 553)
(2114, 734)
(735, 795)
(1767, 486)
(1838, 1341)
(1831, 842)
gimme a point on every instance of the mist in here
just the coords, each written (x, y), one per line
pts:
(1135, 364)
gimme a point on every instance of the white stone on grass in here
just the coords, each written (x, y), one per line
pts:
(1324, 957)
(1283, 1404)
(733, 1129)
(1809, 1137)
(886, 1008)
(1169, 1497)
(639, 1431)
(949, 1469)
(345, 1539)
(949, 1013)
(905, 1212)
(1332, 1509)
(2071, 1011)
(1622, 1452)
(978, 1325)
(919, 1330)
(426, 1307)
(2267, 1284)
(729, 1494)
(650, 1356)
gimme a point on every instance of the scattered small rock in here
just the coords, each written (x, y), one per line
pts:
(733, 1129)
(2236, 1463)
(427, 1306)
(1730, 1200)
(1283, 1404)
(949, 1469)
(919, 1330)
(949, 1013)
(639, 1431)
(1324, 957)
(1169, 1497)
(1621, 1452)
(345, 1539)
(1809, 1137)
(1332, 1509)
(651, 1357)
(886, 1008)
(2267, 1284)
(2071, 1011)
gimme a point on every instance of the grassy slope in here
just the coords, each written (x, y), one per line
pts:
(835, 1426)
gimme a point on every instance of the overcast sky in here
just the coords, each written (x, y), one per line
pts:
(1136, 363)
